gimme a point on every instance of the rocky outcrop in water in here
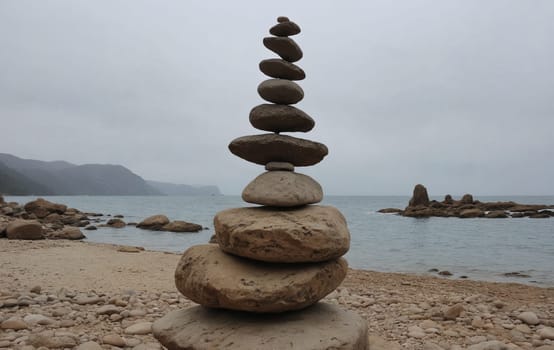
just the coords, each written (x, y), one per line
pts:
(467, 207)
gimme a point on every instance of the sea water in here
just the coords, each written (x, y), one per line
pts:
(481, 249)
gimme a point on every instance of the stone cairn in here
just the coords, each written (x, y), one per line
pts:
(272, 259)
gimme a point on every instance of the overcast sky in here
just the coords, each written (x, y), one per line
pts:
(457, 95)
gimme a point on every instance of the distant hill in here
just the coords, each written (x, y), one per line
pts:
(12, 182)
(184, 190)
(20, 176)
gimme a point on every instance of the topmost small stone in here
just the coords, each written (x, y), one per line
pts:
(282, 19)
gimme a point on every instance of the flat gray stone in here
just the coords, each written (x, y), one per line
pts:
(279, 166)
(285, 29)
(319, 327)
(311, 233)
(280, 118)
(212, 278)
(278, 68)
(283, 189)
(280, 91)
(265, 148)
(286, 48)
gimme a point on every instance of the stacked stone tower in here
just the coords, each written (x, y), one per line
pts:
(272, 259)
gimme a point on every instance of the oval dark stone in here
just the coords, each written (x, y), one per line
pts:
(285, 29)
(280, 91)
(280, 118)
(281, 69)
(286, 48)
(262, 149)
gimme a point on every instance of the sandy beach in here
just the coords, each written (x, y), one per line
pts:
(64, 294)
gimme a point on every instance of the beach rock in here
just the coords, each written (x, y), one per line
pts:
(140, 328)
(262, 149)
(212, 278)
(114, 339)
(24, 229)
(448, 199)
(378, 343)
(280, 118)
(546, 333)
(281, 19)
(286, 48)
(308, 234)
(467, 199)
(419, 197)
(116, 223)
(15, 323)
(108, 309)
(390, 210)
(497, 214)
(283, 189)
(539, 216)
(281, 69)
(91, 228)
(529, 317)
(181, 226)
(72, 233)
(50, 341)
(280, 91)
(129, 249)
(279, 166)
(155, 222)
(453, 312)
(471, 213)
(489, 345)
(89, 345)
(33, 319)
(320, 327)
(42, 208)
(285, 29)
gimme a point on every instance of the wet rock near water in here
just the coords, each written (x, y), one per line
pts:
(162, 223)
(467, 207)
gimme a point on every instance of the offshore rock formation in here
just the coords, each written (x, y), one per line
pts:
(275, 261)
(421, 207)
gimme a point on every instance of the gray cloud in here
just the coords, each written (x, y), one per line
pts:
(458, 95)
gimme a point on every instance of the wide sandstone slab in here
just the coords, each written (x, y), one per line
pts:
(307, 234)
(320, 327)
(265, 148)
(212, 278)
(283, 189)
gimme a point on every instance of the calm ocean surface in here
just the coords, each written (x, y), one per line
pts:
(482, 249)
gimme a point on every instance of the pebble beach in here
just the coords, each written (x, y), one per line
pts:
(73, 294)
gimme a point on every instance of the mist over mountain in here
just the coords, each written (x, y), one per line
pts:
(28, 176)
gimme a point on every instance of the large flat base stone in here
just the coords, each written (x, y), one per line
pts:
(321, 326)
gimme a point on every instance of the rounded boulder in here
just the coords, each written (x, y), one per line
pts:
(308, 234)
(280, 91)
(283, 189)
(212, 278)
(24, 229)
(280, 118)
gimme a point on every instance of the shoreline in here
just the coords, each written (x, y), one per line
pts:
(404, 311)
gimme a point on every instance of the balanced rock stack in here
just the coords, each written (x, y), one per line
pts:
(259, 287)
